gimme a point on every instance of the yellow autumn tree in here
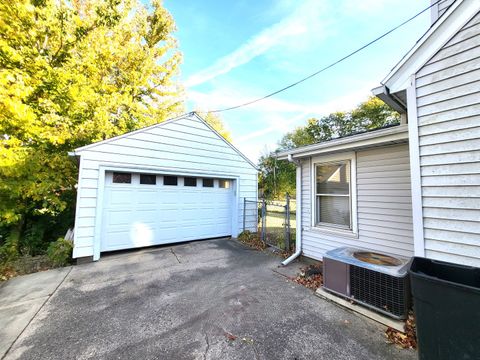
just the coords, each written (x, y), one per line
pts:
(74, 72)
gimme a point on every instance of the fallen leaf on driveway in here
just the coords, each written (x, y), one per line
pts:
(407, 340)
(247, 340)
(310, 277)
(230, 337)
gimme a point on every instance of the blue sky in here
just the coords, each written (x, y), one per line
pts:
(235, 51)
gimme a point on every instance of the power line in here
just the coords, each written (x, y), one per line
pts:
(328, 66)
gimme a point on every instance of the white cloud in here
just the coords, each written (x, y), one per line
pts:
(282, 123)
(227, 97)
(297, 30)
(273, 117)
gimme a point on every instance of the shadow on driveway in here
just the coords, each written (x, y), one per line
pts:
(212, 299)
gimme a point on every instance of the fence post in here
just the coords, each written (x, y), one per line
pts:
(264, 220)
(287, 223)
(244, 211)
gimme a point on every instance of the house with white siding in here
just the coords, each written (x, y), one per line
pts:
(175, 181)
(413, 189)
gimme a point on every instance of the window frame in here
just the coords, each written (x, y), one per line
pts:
(326, 227)
(208, 187)
(147, 184)
(123, 173)
(190, 177)
(169, 176)
(226, 181)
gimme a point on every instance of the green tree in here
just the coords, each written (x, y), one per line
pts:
(74, 72)
(276, 178)
(215, 121)
(369, 115)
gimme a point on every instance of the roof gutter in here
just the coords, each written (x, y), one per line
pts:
(392, 135)
(383, 93)
(298, 233)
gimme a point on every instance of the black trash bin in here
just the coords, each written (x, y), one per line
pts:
(446, 302)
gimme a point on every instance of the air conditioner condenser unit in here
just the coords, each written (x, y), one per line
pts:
(378, 281)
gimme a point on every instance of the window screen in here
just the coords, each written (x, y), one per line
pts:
(207, 182)
(122, 178)
(170, 180)
(148, 179)
(224, 184)
(189, 181)
(333, 194)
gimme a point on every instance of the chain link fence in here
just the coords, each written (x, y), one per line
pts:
(276, 221)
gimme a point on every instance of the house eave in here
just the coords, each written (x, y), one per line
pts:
(458, 14)
(383, 93)
(393, 135)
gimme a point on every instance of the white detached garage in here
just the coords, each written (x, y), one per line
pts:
(171, 182)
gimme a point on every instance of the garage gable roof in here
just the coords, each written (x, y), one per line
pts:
(189, 116)
(457, 15)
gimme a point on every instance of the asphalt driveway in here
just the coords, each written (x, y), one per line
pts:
(204, 300)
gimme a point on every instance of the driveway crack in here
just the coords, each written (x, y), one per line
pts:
(176, 257)
(207, 348)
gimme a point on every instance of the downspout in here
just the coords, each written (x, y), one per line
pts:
(298, 233)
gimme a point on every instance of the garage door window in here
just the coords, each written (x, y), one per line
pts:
(170, 180)
(122, 178)
(207, 182)
(147, 179)
(224, 184)
(189, 181)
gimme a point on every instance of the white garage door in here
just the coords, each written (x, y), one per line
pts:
(145, 209)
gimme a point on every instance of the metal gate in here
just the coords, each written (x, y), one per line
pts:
(276, 221)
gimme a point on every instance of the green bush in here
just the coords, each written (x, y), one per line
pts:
(60, 252)
(8, 250)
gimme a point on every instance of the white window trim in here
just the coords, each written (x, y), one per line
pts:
(351, 156)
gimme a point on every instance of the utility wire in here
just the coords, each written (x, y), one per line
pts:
(328, 66)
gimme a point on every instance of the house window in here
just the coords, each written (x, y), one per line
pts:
(170, 180)
(189, 181)
(122, 178)
(207, 182)
(224, 184)
(333, 203)
(148, 179)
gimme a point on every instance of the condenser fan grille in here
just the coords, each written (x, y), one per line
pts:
(382, 291)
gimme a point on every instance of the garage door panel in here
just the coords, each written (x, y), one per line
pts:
(116, 240)
(120, 197)
(118, 218)
(144, 215)
(137, 215)
(147, 197)
(168, 215)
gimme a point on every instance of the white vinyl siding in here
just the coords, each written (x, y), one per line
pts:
(443, 6)
(185, 146)
(439, 7)
(448, 104)
(383, 206)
